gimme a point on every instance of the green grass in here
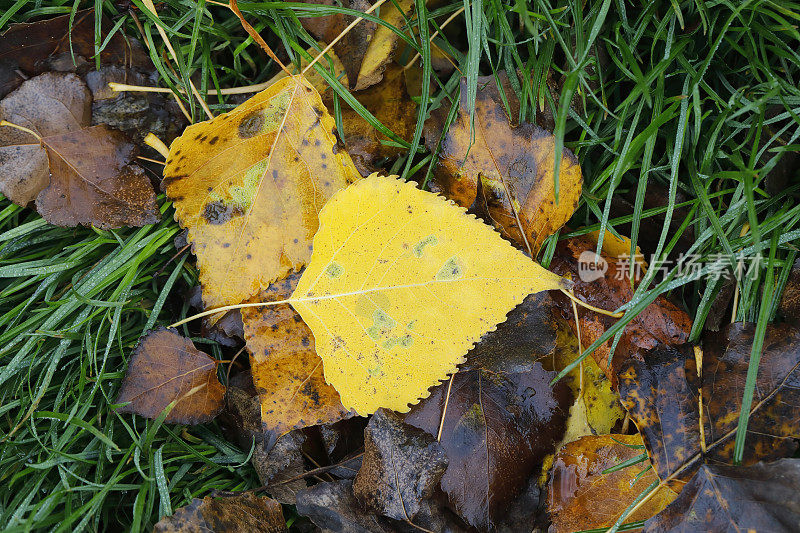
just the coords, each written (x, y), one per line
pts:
(700, 98)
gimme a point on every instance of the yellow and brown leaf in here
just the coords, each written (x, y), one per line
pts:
(505, 173)
(249, 185)
(287, 372)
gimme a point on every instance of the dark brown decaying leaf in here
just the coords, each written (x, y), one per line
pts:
(287, 372)
(274, 460)
(661, 394)
(762, 497)
(95, 181)
(662, 322)
(529, 334)
(790, 301)
(502, 418)
(352, 48)
(243, 512)
(402, 466)
(37, 47)
(504, 173)
(50, 104)
(333, 508)
(580, 496)
(165, 368)
(391, 104)
(134, 113)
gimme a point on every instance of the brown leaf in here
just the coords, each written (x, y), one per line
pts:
(37, 47)
(402, 466)
(762, 497)
(243, 512)
(502, 418)
(287, 371)
(352, 48)
(166, 368)
(581, 497)
(274, 461)
(662, 322)
(661, 394)
(390, 103)
(333, 508)
(94, 181)
(50, 104)
(505, 173)
(790, 301)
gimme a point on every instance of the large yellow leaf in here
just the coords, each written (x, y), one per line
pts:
(249, 184)
(402, 283)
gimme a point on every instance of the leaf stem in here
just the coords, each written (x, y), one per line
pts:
(591, 307)
(21, 128)
(228, 308)
(156, 144)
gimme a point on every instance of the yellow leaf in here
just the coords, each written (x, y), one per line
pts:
(618, 247)
(598, 408)
(248, 185)
(402, 283)
(381, 48)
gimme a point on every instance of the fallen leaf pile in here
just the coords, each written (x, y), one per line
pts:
(399, 345)
(54, 148)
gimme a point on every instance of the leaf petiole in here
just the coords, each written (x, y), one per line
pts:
(21, 128)
(575, 299)
(228, 308)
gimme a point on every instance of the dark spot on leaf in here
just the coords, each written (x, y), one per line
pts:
(251, 124)
(218, 213)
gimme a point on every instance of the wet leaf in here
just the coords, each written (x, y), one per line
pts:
(37, 47)
(505, 173)
(352, 48)
(278, 461)
(502, 419)
(790, 300)
(661, 394)
(333, 508)
(50, 104)
(249, 185)
(762, 497)
(94, 181)
(597, 409)
(287, 372)
(662, 322)
(392, 106)
(402, 466)
(401, 285)
(164, 368)
(243, 512)
(581, 496)
(134, 113)
(381, 49)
